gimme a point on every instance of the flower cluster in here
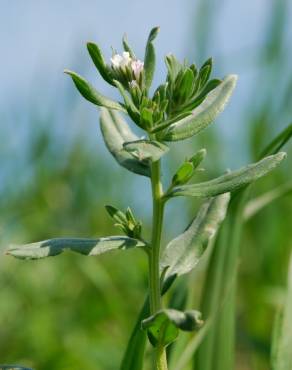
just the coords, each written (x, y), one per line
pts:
(128, 69)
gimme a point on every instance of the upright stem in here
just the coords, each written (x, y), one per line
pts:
(154, 273)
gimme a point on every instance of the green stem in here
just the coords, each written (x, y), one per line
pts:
(154, 273)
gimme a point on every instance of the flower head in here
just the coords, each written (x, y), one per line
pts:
(137, 68)
(121, 61)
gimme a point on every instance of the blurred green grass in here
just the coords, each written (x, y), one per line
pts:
(74, 312)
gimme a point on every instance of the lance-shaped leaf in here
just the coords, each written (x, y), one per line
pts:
(134, 354)
(91, 94)
(163, 327)
(278, 142)
(99, 62)
(116, 132)
(231, 181)
(146, 149)
(183, 253)
(88, 247)
(127, 47)
(149, 60)
(282, 343)
(203, 115)
(130, 106)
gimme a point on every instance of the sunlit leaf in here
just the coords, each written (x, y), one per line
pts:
(203, 115)
(88, 247)
(91, 94)
(184, 252)
(146, 149)
(149, 60)
(231, 181)
(99, 62)
(116, 132)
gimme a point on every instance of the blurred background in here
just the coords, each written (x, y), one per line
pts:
(74, 312)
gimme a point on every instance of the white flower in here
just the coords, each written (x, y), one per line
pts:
(137, 67)
(121, 61)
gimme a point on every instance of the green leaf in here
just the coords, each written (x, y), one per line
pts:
(198, 157)
(186, 84)
(116, 132)
(99, 62)
(173, 67)
(203, 115)
(282, 354)
(88, 247)
(146, 149)
(127, 47)
(183, 253)
(130, 106)
(280, 140)
(134, 354)
(231, 181)
(205, 72)
(91, 94)
(198, 99)
(116, 214)
(149, 59)
(163, 327)
(183, 174)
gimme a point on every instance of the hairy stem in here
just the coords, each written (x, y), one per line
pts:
(154, 273)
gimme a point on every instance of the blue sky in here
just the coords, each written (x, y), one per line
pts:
(40, 38)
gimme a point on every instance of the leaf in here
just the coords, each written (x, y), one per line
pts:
(186, 84)
(183, 174)
(198, 157)
(282, 344)
(278, 142)
(116, 132)
(149, 59)
(183, 253)
(231, 181)
(134, 354)
(88, 247)
(173, 66)
(99, 62)
(205, 72)
(127, 47)
(163, 327)
(130, 106)
(203, 115)
(116, 214)
(146, 149)
(91, 94)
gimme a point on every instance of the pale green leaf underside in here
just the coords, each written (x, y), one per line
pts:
(163, 327)
(116, 132)
(146, 149)
(88, 247)
(204, 114)
(282, 353)
(184, 252)
(231, 181)
(91, 94)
